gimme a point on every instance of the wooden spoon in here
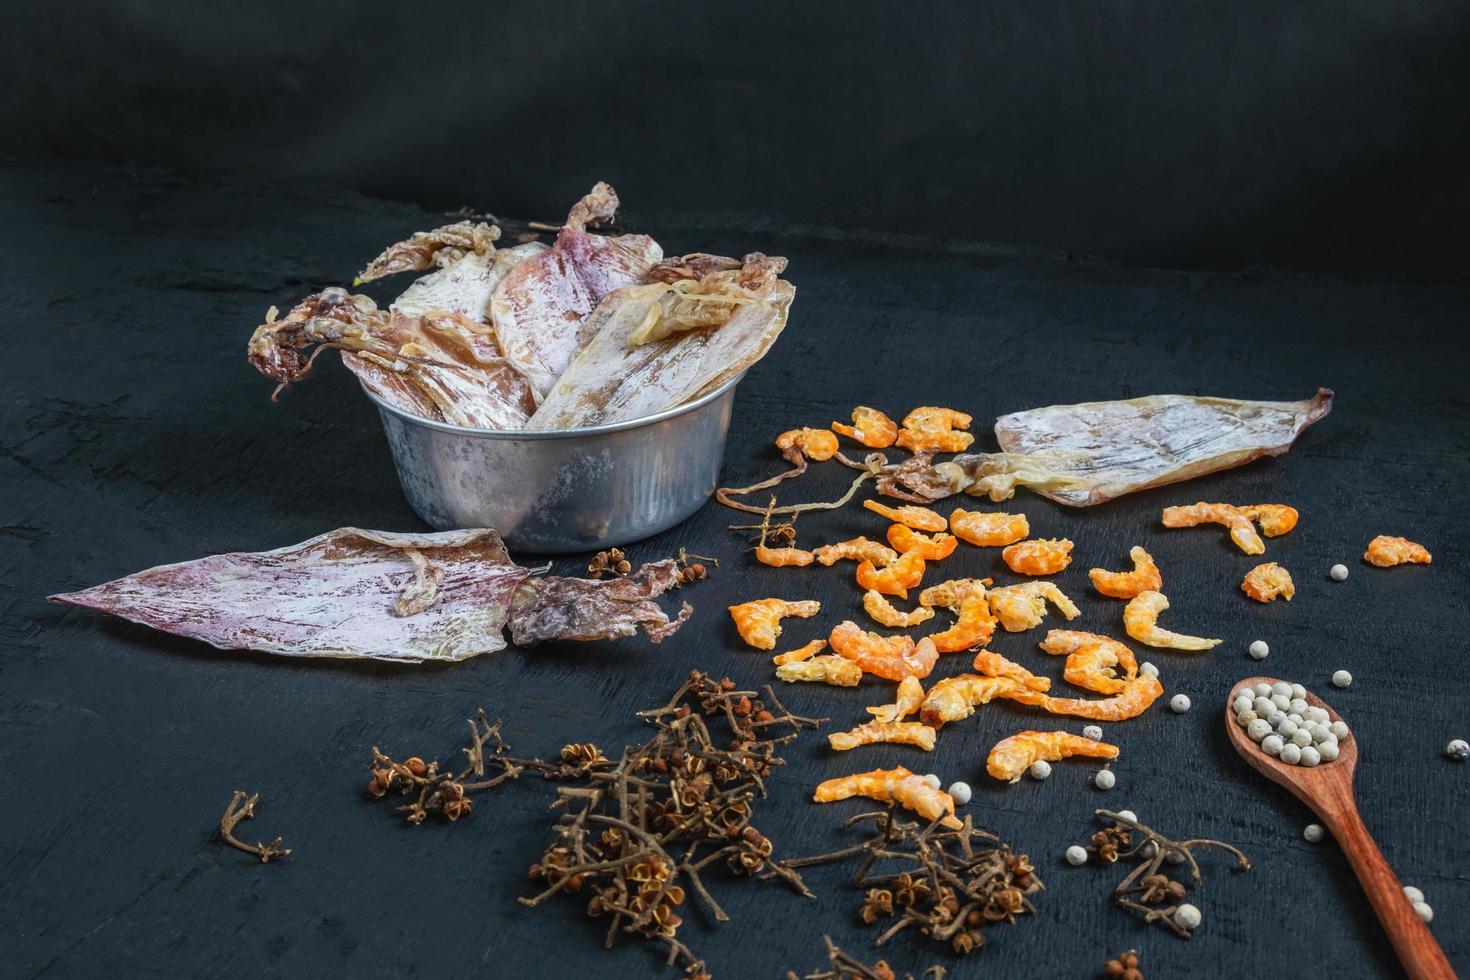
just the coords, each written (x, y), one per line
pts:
(1328, 790)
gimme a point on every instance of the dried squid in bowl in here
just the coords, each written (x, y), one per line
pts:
(539, 308)
(613, 379)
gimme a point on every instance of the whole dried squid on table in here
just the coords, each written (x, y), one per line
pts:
(353, 593)
(1086, 454)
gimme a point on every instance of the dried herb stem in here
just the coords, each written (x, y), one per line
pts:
(242, 807)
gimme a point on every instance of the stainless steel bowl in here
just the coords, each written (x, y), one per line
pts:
(556, 491)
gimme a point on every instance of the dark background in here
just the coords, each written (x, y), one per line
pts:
(1322, 136)
(174, 170)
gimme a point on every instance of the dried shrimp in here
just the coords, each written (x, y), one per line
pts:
(856, 549)
(814, 444)
(1020, 607)
(992, 530)
(910, 695)
(931, 429)
(918, 518)
(895, 579)
(1139, 618)
(870, 427)
(890, 657)
(936, 548)
(1145, 577)
(1039, 556)
(759, 621)
(1134, 700)
(895, 732)
(800, 653)
(1012, 756)
(1242, 532)
(1385, 552)
(896, 785)
(992, 664)
(884, 613)
(956, 698)
(1265, 582)
(825, 669)
(1091, 659)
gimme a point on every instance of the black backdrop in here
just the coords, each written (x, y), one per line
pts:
(1326, 136)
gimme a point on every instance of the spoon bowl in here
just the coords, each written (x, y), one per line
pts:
(1327, 789)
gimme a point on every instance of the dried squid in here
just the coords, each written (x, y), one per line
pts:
(611, 379)
(438, 365)
(540, 307)
(1080, 455)
(556, 608)
(1140, 618)
(896, 785)
(1012, 756)
(336, 595)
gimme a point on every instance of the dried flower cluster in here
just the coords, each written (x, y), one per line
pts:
(431, 789)
(845, 966)
(937, 880)
(1124, 966)
(637, 835)
(1147, 889)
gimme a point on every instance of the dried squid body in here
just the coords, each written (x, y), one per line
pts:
(348, 593)
(612, 380)
(539, 308)
(438, 365)
(1086, 454)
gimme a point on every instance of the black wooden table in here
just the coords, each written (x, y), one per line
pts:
(132, 433)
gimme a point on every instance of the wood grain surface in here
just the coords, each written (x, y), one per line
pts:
(132, 433)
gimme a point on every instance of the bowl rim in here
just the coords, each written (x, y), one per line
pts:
(533, 435)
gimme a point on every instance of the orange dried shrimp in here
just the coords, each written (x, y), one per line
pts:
(956, 698)
(856, 549)
(800, 653)
(895, 579)
(1242, 532)
(936, 548)
(918, 518)
(1020, 607)
(826, 669)
(884, 613)
(896, 785)
(1385, 552)
(783, 557)
(895, 732)
(973, 627)
(870, 427)
(1275, 519)
(1265, 582)
(1140, 616)
(1134, 700)
(1012, 756)
(930, 429)
(814, 444)
(1091, 659)
(994, 665)
(988, 530)
(890, 657)
(1039, 556)
(952, 594)
(910, 695)
(1145, 577)
(759, 621)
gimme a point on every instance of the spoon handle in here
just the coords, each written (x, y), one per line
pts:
(1415, 945)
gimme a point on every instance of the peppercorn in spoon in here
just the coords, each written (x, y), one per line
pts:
(1327, 788)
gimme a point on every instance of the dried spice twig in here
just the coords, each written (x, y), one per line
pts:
(443, 791)
(845, 966)
(242, 807)
(943, 884)
(638, 832)
(1147, 890)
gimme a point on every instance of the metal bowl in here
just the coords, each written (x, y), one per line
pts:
(563, 490)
